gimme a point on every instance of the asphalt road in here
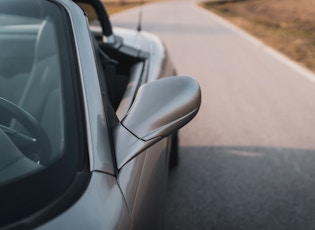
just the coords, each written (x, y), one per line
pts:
(248, 158)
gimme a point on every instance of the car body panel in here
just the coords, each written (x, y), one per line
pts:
(102, 206)
(97, 134)
(151, 187)
(152, 163)
(148, 169)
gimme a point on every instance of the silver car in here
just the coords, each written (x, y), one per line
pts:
(88, 119)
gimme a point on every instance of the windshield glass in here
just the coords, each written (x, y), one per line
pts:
(32, 124)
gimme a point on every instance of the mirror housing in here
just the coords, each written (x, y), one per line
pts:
(160, 108)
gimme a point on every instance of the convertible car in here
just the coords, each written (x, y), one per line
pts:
(88, 119)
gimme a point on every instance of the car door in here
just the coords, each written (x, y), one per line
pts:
(124, 66)
(143, 179)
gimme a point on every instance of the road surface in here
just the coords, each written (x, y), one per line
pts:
(248, 158)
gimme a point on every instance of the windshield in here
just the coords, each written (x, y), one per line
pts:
(41, 123)
(32, 124)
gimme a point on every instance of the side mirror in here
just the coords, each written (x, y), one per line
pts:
(160, 108)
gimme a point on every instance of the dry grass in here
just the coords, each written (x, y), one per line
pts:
(117, 7)
(286, 25)
(111, 7)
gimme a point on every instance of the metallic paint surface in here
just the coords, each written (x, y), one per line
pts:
(160, 108)
(132, 87)
(143, 180)
(128, 146)
(98, 140)
(148, 208)
(102, 206)
(163, 106)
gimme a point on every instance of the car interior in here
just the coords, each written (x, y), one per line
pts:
(31, 102)
(122, 65)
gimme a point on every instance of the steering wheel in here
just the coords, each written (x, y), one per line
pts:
(37, 146)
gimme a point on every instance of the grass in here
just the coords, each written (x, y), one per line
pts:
(293, 38)
(116, 7)
(111, 8)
